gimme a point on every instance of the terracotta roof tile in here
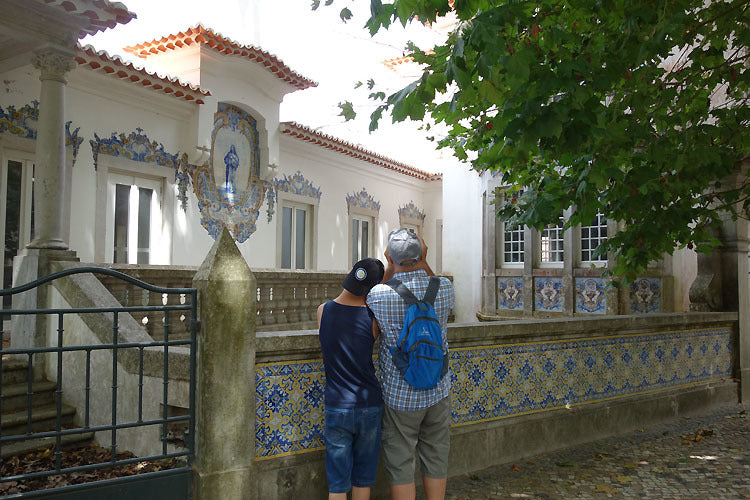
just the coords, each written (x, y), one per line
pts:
(114, 66)
(224, 45)
(99, 14)
(334, 144)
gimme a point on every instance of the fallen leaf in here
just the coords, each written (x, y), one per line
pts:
(565, 464)
(624, 479)
(605, 488)
(515, 468)
(631, 465)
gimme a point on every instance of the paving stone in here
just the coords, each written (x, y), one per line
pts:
(701, 457)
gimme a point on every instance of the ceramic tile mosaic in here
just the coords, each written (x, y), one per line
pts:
(492, 382)
(362, 200)
(590, 297)
(548, 294)
(645, 295)
(288, 408)
(229, 188)
(510, 294)
(498, 381)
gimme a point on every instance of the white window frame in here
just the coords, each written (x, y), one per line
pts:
(520, 251)
(371, 216)
(355, 253)
(26, 159)
(584, 234)
(284, 199)
(162, 224)
(558, 237)
(155, 229)
(294, 207)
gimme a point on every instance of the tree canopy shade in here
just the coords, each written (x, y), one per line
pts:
(634, 108)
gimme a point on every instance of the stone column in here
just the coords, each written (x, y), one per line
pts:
(489, 280)
(530, 237)
(49, 184)
(743, 295)
(225, 387)
(570, 259)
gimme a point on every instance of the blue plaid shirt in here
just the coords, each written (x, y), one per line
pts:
(390, 309)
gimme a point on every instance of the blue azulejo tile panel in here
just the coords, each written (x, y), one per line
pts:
(590, 297)
(492, 382)
(548, 294)
(288, 408)
(645, 295)
(510, 293)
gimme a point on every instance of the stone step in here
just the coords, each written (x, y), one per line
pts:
(43, 418)
(20, 447)
(15, 397)
(15, 371)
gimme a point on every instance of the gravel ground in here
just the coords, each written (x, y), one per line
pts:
(701, 457)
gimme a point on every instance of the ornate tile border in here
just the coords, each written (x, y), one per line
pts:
(22, 122)
(590, 296)
(645, 295)
(296, 184)
(362, 200)
(138, 147)
(410, 211)
(548, 294)
(510, 293)
(501, 381)
(493, 382)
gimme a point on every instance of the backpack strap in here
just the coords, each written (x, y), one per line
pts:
(404, 292)
(432, 291)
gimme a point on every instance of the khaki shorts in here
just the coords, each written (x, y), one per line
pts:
(425, 431)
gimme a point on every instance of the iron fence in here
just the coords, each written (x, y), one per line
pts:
(185, 304)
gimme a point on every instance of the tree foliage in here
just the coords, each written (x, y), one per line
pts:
(637, 109)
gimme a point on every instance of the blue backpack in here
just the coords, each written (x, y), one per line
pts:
(419, 355)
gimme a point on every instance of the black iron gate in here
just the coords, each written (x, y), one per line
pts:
(170, 483)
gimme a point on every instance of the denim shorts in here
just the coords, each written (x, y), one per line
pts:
(352, 438)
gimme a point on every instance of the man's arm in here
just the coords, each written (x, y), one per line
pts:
(422, 264)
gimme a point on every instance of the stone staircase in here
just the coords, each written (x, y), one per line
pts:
(15, 416)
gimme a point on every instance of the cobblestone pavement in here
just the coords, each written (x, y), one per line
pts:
(702, 457)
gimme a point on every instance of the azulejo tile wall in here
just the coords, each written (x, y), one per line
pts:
(590, 296)
(645, 295)
(492, 382)
(499, 381)
(510, 293)
(548, 294)
(288, 408)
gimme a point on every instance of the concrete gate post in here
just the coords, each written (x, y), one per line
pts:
(225, 385)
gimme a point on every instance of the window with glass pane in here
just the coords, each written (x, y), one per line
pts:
(294, 234)
(591, 237)
(513, 244)
(12, 222)
(552, 242)
(122, 214)
(144, 224)
(361, 227)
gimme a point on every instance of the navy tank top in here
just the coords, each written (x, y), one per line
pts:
(346, 340)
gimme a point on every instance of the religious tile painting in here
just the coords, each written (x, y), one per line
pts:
(229, 188)
(510, 293)
(645, 295)
(499, 381)
(590, 296)
(548, 294)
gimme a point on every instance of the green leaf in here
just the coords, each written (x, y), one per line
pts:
(347, 110)
(345, 14)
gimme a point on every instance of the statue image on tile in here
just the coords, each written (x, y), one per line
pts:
(229, 188)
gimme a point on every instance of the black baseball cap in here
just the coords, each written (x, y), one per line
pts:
(364, 275)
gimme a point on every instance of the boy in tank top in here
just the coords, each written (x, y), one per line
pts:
(353, 402)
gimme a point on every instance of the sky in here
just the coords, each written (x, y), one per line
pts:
(316, 44)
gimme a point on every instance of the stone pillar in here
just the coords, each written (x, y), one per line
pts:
(612, 294)
(570, 258)
(225, 387)
(489, 280)
(49, 184)
(530, 237)
(743, 295)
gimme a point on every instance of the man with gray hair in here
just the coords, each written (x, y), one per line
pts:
(415, 421)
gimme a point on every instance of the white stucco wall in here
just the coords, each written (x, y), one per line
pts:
(462, 238)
